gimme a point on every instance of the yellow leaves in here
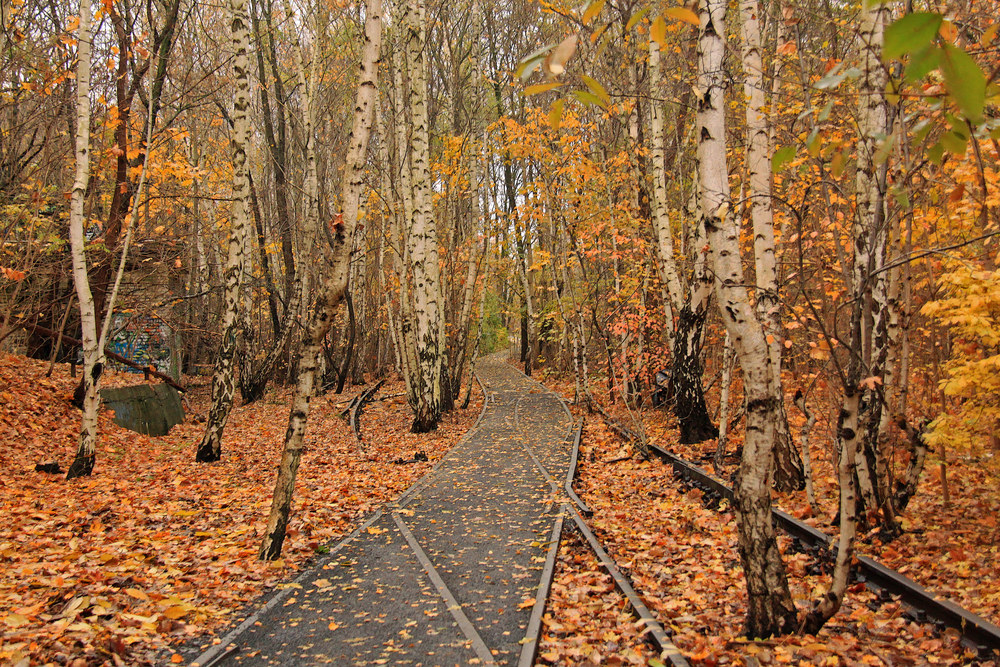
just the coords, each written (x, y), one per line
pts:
(175, 612)
(658, 30)
(597, 89)
(137, 594)
(541, 88)
(593, 9)
(682, 14)
(555, 114)
(15, 620)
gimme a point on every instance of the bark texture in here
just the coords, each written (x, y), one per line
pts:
(422, 232)
(333, 287)
(83, 463)
(770, 608)
(224, 379)
(788, 475)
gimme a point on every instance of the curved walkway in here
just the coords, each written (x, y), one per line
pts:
(448, 574)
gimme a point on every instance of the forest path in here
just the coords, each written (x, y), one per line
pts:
(449, 573)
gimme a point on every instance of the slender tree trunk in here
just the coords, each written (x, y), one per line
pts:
(727, 379)
(666, 262)
(422, 231)
(870, 243)
(770, 608)
(83, 464)
(333, 287)
(800, 401)
(787, 465)
(851, 432)
(223, 380)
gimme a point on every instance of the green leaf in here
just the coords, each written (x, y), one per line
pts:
(884, 149)
(954, 142)
(936, 155)
(813, 143)
(910, 34)
(899, 194)
(588, 98)
(637, 17)
(831, 80)
(597, 89)
(781, 157)
(825, 113)
(530, 63)
(921, 130)
(540, 88)
(964, 81)
(921, 64)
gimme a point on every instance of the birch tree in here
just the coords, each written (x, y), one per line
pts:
(770, 608)
(422, 230)
(334, 286)
(83, 464)
(788, 473)
(224, 380)
(869, 252)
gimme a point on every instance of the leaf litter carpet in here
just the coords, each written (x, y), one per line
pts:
(155, 549)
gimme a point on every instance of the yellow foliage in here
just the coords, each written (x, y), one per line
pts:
(970, 307)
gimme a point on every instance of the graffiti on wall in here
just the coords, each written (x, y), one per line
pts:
(143, 339)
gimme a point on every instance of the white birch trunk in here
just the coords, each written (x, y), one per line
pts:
(83, 464)
(666, 261)
(224, 380)
(788, 466)
(422, 228)
(333, 287)
(770, 607)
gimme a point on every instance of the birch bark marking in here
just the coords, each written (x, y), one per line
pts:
(667, 263)
(423, 231)
(870, 241)
(855, 482)
(83, 464)
(334, 285)
(770, 608)
(223, 380)
(787, 465)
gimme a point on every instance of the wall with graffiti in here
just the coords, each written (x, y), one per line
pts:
(144, 339)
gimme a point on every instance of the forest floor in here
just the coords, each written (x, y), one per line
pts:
(154, 548)
(682, 559)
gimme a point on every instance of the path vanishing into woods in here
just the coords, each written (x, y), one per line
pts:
(450, 573)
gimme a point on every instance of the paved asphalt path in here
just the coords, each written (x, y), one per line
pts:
(447, 575)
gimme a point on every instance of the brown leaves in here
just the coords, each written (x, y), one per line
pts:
(682, 559)
(155, 548)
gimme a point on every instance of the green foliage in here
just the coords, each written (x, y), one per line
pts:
(970, 307)
(495, 334)
(919, 36)
(910, 34)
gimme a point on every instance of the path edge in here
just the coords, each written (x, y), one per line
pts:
(209, 656)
